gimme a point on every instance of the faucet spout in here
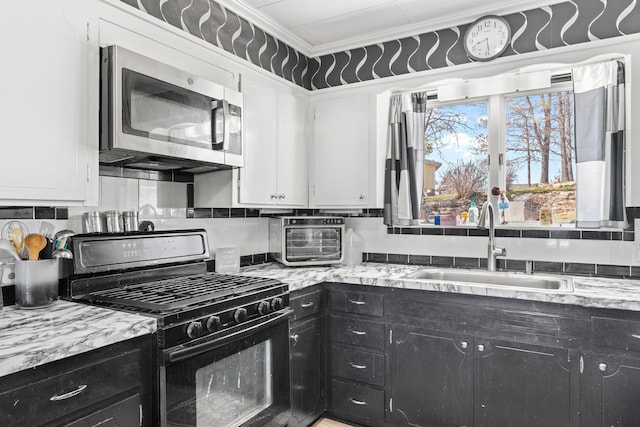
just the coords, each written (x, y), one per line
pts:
(492, 251)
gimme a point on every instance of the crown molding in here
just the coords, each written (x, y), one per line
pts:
(254, 16)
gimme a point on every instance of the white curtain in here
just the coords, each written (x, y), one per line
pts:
(405, 160)
(599, 123)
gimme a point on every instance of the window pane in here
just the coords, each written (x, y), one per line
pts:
(540, 156)
(455, 161)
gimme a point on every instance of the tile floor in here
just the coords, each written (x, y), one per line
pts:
(325, 422)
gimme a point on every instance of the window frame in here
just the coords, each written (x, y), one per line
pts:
(497, 131)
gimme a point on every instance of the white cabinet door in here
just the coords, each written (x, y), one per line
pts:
(292, 169)
(48, 155)
(258, 176)
(340, 154)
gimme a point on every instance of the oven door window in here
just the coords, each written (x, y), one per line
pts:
(235, 389)
(245, 383)
(313, 243)
(158, 110)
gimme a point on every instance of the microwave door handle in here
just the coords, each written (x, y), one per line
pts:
(220, 107)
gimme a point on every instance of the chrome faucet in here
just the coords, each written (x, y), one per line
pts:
(492, 251)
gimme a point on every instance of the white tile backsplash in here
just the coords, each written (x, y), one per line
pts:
(118, 194)
(160, 199)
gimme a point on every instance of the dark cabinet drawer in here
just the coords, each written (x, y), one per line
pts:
(361, 366)
(127, 412)
(371, 304)
(70, 391)
(305, 304)
(360, 403)
(357, 332)
(615, 333)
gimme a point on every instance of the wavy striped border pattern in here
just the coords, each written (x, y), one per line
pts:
(562, 24)
(221, 27)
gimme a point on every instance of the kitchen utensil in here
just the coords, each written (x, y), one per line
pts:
(130, 220)
(15, 231)
(35, 243)
(93, 222)
(62, 253)
(7, 249)
(46, 229)
(61, 237)
(36, 282)
(114, 221)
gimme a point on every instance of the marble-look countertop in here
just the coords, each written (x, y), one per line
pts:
(620, 294)
(29, 338)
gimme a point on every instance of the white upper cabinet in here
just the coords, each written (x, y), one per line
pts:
(275, 151)
(292, 183)
(340, 153)
(49, 127)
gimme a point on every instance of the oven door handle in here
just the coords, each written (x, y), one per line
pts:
(182, 353)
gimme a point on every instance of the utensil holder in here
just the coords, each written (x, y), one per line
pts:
(36, 283)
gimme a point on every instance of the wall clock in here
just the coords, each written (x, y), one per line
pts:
(487, 38)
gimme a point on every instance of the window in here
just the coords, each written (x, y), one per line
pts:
(529, 135)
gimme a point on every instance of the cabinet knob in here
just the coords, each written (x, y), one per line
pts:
(281, 196)
(274, 196)
(481, 347)
(361, 197)
(602, 367)
(464, 344)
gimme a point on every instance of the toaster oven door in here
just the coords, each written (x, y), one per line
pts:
(308, 245)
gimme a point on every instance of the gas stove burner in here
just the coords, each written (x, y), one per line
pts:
(177, 293)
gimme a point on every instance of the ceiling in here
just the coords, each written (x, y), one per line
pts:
(316, 27)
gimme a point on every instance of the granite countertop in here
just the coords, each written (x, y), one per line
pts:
(623, 294)
(29, 338)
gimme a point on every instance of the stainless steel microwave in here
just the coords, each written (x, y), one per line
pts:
(157, 117)
(298, 241)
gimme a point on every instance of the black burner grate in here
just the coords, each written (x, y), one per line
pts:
(175, 293)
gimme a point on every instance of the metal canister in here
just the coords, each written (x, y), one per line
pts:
(130, 220)
(114, 221)
(93, 222)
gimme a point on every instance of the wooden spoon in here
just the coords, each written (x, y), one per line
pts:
(16, 236)
(35, 243)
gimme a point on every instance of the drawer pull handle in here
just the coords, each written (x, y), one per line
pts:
(307, 304)
(636, 336)
(358, 332)
(69, 395)
(356, 366)
(357, 402)
(357, 302)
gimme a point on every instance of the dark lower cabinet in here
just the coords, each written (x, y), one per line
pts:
(614, 389)
(109, 386)
(124, 413)
(430, 378)
(524, 385)
(307, 372)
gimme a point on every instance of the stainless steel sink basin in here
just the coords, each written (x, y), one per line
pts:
(494, 279)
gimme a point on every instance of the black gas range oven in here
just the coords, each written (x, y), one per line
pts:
(223, 351)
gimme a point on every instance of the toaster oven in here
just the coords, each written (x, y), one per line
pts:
(297, 241)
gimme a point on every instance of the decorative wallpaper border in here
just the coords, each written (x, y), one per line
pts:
(213, 23)
(563, 24)
(569, 23)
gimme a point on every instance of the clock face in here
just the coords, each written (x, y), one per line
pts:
(487, 38)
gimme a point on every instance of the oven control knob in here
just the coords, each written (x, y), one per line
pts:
(264, 307)
(213, 323)
(276, 304)
(194, 329)
(240, 315)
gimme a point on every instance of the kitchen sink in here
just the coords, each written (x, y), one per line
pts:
(494, 279)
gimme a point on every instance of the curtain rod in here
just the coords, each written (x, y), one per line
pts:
(432, 95)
